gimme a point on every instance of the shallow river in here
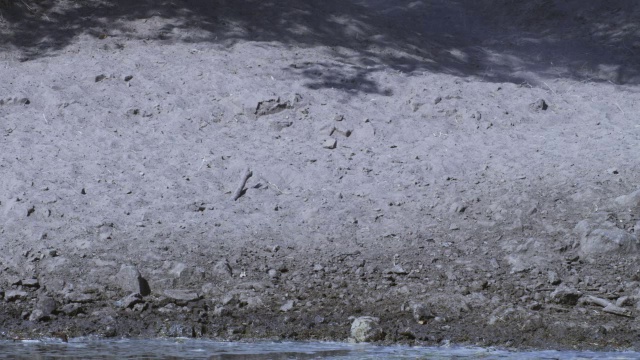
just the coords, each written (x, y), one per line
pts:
(201, 349)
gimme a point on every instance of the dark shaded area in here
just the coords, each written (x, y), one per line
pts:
(495, 40)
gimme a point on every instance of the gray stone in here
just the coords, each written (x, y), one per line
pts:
(628, 201)
(37, 315)
(223, 268)
(397, 269)
(617, 310)
(179, 330)
(72, 309)
(279, 125)
(14, 295)
(624, 301)
(182, 296)
(287, 306)
(605, 239)
(330, 144)
(565, 295)
(79, 297)
(553, 279)
(47, 305)
(539, 105)
(221, 311)
(421, 313)
(33, 283)
(185, 275)
(129, 301)
(366, 329)
(130, 280)
(274, 274)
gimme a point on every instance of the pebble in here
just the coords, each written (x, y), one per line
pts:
(330, 144)
(79, 297)
(553, 279)
(539, 105)
(14, 295)
(287, 306)
(223, 268)
(181, 296)
(129, 301)
(565, 295)
(398, 270)
(274, 274)
(31, 283)
(421, 313)
(72, 309)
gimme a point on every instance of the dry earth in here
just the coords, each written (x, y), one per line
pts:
(464, 172)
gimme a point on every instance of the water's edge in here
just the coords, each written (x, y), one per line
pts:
(179, 348)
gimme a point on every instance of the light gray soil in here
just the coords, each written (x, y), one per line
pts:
(464, 171)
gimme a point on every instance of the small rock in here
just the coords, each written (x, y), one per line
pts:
(287, 306)
(33, 283)
(179, 330)
(223, 268)
(130, 280)
(604, 240)
(128, 77)
(274, 274)
(330, 144)
(366, 329)
(437, 100)
(14, 295)
(478, 285)
(182, 296)
(421, 313)
(318, 267)
(129, 301)
(221, 311)
(565, 295)
(279, 125)
(457, 208)
(110, 331)
(100, 77)
(47, 305)
(398, 270)
(79, 297)
(539, 105)
(140, 307)
(624, 301)
(72, 309)
(338, 118)
(37, 315)
(616, 310)
(553, 279)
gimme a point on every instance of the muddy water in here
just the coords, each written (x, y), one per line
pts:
(201, 349)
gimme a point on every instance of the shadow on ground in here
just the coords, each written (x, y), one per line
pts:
(495, 40)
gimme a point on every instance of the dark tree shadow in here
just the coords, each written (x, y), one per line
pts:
(493, 40)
